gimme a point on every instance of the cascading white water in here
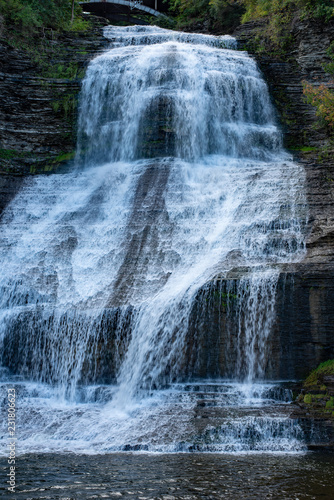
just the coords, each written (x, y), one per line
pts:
(180, 176)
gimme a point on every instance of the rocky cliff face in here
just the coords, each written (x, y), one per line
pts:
(301, 338)
(38, 106)
(286, 70)
(307, 140)
(304, 136)
(304, 332)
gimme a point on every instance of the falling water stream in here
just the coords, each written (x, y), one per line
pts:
(180, 178)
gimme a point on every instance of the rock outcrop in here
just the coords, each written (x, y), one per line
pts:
(304, 332)
(306, 139)
(285, 73)
(38, 112)
(308, 142)
(300, 339)
(314, 407)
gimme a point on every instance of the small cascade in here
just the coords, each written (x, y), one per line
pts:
(149, 35)
(181, 182)
(205, 416)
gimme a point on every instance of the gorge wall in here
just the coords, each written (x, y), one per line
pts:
(305, 311)
(38, 109)
(305, 296)
(304, 136)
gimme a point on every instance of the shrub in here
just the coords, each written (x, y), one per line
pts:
(322, 98)
(309, 8)
(322, 9)
(226, 14)
(20, 14)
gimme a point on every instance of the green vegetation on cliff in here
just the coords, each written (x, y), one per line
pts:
(25, 18)
(50, 38)
(256, 9)
(322, 96)
(316, 377)
(317, 396)
(220, 14)
(212, 15)
(34, 26)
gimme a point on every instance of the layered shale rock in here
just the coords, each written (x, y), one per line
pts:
(285, 71)
(304, 330)
(285, 74)
(300, 338)
(38, 103)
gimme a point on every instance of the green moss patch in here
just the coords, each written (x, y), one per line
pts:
(56, 162)
(9, 154)
(316, 376)
(330, 404)
(307, 399)
(316, 398)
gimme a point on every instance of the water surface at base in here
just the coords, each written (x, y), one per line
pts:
(180, 476)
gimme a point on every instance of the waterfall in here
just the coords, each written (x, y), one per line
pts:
(180, 177)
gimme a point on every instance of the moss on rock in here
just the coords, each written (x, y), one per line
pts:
(316, 377)
(317, 395)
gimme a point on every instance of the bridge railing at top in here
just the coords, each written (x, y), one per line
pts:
(132, 4)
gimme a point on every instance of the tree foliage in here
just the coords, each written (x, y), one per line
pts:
(222, 14)
(256, 9)
(27, 16)
(322, 98)
(250, 9)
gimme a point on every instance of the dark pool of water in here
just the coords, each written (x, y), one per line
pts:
(167, 477)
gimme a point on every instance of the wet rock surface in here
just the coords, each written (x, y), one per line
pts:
(301, 337)
(285, 73)
(9, 185)
(304, 330)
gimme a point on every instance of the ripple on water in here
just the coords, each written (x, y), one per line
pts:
(148, 477)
